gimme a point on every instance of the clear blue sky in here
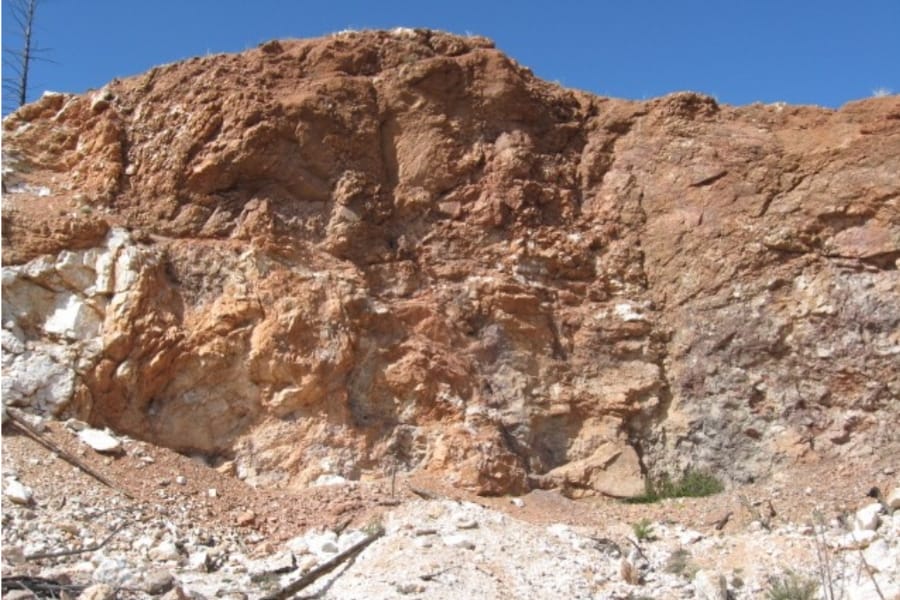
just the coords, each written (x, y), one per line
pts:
(823, 52)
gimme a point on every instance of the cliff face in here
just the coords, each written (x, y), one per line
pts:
(400, 249)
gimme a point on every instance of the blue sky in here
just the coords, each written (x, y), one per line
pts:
(823, 52)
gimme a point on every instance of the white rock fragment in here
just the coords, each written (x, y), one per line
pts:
(164, 552)
(893, 499)
(350, 538)
(878, 556)
(329, 479)
(212, 493)
(323, 545)
(709, 585)
(518, 502)
(181, 480)
(689, 536)
(18, 492)
(199, 561)
(306, 563)
(297, 545)
(281, 562)
(627, 313)
(100, 441)
(867, 517)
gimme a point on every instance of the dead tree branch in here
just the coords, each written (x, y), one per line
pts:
(39, 555)
(325, 568)
(23, 426)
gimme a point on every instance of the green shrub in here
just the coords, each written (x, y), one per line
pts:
(693, 484)
(791, 586)
(643, 530)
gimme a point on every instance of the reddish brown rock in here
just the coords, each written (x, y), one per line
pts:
(401, 248)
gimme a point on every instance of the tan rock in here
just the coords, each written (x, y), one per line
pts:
(98, 591)
(246, 518)
(448, 264)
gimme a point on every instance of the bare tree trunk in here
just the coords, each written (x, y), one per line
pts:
(26, 50)
(19, 60)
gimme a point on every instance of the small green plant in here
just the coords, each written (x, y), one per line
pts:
(692, 484)
(791, 585)
(643, 530)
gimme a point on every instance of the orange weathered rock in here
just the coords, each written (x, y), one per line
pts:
(383, 250)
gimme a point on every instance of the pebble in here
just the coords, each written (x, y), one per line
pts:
(18, 492)
(157, 582)
(100, 441)
(164, 552)
(307, 563)
(98, 591)
(710, 585)
(467, 524)
(867, 518)
(212, 492)
(689, 537)
(410, 588)
(245, 518)
(176, 593)
(199, 561)
(893, 499)
(282, 562)
(459, 541)
(322, 544)
(181, 480)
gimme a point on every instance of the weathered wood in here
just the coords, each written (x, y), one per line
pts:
(423, 493)
(325, 568)
(39, 555)
(22, 425)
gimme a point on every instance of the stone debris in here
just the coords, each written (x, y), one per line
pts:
(246, 518)
(868, 517)
(98, 591)
(17, 492)
(100, 441)
(282, 562)
(710, 585)
(499, 557)
(892, 501)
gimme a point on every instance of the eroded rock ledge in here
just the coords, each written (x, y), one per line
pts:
(383, 250)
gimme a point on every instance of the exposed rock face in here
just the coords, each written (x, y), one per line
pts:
(400, 247)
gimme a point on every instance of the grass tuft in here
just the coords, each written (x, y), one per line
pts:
(693, 484)
(792, 586)
(643, 530)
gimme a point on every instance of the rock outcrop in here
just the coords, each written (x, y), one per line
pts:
(384, 250)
